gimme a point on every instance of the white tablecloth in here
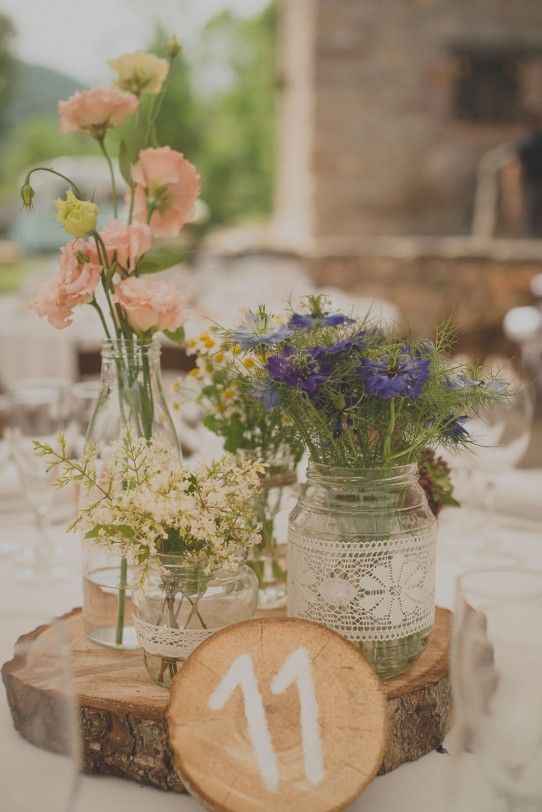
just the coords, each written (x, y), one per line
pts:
(417, 787)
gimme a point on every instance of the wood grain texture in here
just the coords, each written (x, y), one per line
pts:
(213, 751)
(123, 715)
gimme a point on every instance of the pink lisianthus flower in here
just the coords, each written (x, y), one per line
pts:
(74, 284)
(167, 184)
(125, 243)
(94, 111)
(150, 303)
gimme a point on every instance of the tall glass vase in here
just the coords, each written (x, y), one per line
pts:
(131, 398)
(361, 560)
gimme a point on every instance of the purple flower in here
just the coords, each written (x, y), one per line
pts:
(252, 334)
(455, 430)
(301, 321)
(404, 377)
(307, 372)
(461, 381)
(356, 341)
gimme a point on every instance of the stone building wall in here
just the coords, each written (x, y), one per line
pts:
(373, 141)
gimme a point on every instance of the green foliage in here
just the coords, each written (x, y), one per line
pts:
(7, 69)
(239, 133)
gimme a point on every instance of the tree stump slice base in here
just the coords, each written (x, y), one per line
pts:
(123, 714)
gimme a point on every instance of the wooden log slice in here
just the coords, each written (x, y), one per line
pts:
(123, 715)
(273, 713)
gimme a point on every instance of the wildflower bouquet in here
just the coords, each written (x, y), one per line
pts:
(146, 505)
(111, 267)
(231, 411)
(360, 396)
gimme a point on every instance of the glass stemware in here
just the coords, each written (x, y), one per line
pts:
(37, 413)
(496, 658)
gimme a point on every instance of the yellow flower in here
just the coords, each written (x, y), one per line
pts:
(195, 373)
(228, 393)
(77, 216)
(140, 72)
(249, 363)
(236, 349)
(207, 341)
(218, 357)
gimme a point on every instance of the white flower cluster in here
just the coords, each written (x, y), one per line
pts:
(217, 371)
(145, 503)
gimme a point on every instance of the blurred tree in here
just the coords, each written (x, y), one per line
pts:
(239, 134)
(226, 125)
(7, 69)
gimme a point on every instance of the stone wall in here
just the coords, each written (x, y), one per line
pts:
(371, 142)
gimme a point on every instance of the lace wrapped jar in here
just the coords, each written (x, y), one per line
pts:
(177, 608)
(361, 560)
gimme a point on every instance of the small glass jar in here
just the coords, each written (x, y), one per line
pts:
(362, 558)
(268, 559)
(108, 587)
(177, 608)
(131, 397)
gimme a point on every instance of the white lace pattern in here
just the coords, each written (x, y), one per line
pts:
(368, 591)
(164, 641)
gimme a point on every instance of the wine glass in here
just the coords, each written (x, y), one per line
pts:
(38, 412)
(42, 701)
(496, 659)
(501, 434)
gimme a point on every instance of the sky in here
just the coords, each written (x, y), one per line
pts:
(79, 36)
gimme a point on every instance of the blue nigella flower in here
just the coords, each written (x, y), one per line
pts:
(252, 334)
(455, 429)
(356, 341)
(405, 377)
(307, 373)
(461, 381)
(302, 321)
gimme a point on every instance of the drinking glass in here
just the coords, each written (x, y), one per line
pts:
(496, 659)
(38, 412)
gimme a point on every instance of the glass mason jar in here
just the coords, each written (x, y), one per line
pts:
(268, 559)
(131, 397)
(177, 608)
(361, 560)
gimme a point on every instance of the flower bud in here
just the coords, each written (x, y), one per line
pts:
(174, 47)
(27, 195)
(77, 216)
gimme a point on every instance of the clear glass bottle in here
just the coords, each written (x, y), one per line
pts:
(177, 608)
(361, 560)
(131, 397)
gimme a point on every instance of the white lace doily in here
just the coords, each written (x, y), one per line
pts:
(166, 642)
(365, 590)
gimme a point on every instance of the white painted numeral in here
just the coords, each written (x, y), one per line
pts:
(241, 673)
(297, 668)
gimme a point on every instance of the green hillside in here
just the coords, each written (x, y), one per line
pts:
(37, 90)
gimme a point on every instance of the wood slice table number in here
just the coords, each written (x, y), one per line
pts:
(125, 729)
(271, 713)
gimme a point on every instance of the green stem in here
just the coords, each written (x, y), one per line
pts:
(74, 186)
(391, 429)
(101, 142)
(98, 310)
(121, 604)
(132, 201)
